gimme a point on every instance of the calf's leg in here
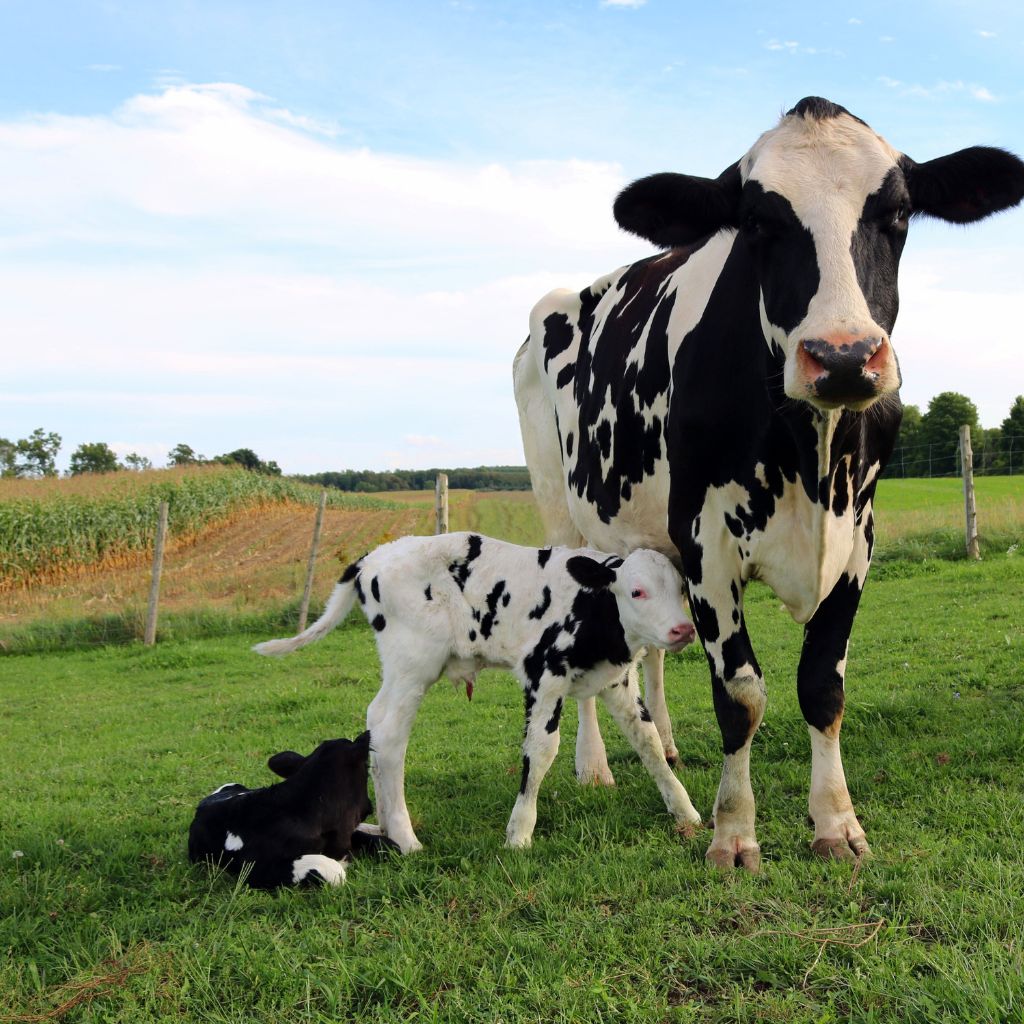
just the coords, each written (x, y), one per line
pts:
(628, 709)
(540, 745)
(654, 698)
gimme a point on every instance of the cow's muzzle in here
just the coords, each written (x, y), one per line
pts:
(851, 371)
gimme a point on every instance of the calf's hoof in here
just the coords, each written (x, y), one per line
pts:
(726, 857)
(688, 829)
(846, 848)
(672, 757)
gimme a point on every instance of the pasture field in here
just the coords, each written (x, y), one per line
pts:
(609, 917)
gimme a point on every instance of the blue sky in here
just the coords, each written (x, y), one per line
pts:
(317, 229)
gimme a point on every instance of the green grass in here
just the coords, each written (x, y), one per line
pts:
(609, 917)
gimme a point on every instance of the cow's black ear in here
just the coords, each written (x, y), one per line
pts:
(362, 741)
(285, 764)
(965, 186)
(679, 209)
(589, 573)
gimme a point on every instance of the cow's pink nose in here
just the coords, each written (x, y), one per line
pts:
(682, 634)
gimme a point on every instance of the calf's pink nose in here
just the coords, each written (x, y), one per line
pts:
(683, 633)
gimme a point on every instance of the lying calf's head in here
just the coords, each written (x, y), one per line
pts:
(648, 591)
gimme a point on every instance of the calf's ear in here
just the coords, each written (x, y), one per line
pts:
(285, 764)
(965, 186)
(679, 209)
(589, 573)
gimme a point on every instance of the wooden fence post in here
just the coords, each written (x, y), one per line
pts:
(149, 637)
(970, 511)
(441, 503)
(307, 590)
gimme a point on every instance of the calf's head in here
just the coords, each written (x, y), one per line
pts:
(648, 592)
(821, 204)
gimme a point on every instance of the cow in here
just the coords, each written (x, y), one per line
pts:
(296, 832)
(731, 402)
(566, 622)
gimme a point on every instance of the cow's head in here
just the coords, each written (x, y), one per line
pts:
(822, 204)
(648, 590)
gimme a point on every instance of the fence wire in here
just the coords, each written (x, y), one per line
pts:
(1001, 457)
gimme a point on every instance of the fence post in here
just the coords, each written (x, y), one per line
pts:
(149, 637)
(970, 512)
(307, 590)
(441, 503)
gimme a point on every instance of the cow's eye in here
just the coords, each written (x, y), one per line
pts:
(639, 593)
(897, 218)
(751, 225)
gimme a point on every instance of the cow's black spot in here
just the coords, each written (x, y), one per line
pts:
(505, 598)
(568, 444)
(645, 715)
(490, 620)
(840, 490)
(542, 556)
(427, 594)
(705, 619)
(565, 376)
(378, 622)
(460, 569)
(472, 634)
(552, 723)
(558, 336)
(526, 774)
(375, 588)
(543, 606)
(359, 590)
(351, 571)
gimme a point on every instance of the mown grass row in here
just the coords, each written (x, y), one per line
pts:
(60, 534)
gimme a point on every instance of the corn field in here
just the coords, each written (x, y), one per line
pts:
(58, 534)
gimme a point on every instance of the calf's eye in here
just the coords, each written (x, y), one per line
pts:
(639, 593)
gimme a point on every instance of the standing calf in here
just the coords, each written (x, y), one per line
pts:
(567, 623)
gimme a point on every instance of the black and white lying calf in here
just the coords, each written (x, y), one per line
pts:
(296, 831)
(568, 623)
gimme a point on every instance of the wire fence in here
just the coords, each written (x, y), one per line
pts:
(1002, 456)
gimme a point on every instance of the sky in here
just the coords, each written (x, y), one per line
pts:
(316, 229)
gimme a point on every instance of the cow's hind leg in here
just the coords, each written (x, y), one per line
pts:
(409, 670)
(628, 709)
(837, 832)
(540, 745)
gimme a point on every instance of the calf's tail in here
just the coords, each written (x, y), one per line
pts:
(339, 604)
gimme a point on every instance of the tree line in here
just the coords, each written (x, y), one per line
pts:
(36, 456)
(928, 442)
(927, 445)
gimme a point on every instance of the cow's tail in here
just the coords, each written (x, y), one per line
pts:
(339, 604)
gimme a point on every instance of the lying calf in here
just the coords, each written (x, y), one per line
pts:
(568, 623)
(296, 831)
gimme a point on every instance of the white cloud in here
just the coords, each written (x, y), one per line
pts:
(623, 3)
(792, 46)
(854, 21)
(939, 89)
(985, 34)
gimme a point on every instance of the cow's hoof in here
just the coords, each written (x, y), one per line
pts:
(725, 858)
(841, 849)
(688, 829)
(595, 777)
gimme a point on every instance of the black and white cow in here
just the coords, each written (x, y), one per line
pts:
(299, 831)
(567, 623)
(731, 402)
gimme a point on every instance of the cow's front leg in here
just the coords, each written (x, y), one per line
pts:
(591, 756)
(625, 705)
(837, 832)
(738, 690)
(654, 697)
(540, 745)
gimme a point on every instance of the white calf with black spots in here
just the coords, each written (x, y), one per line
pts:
(566, 622)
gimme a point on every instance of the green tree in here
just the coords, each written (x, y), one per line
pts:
(1012, 441)
(8, 457)
(247, 458)
(940, 428)
(137, 462)
(183, 455)
(906, 456)
(97, 457)
(38, 452)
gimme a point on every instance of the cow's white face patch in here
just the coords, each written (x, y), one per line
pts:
(233, 842)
